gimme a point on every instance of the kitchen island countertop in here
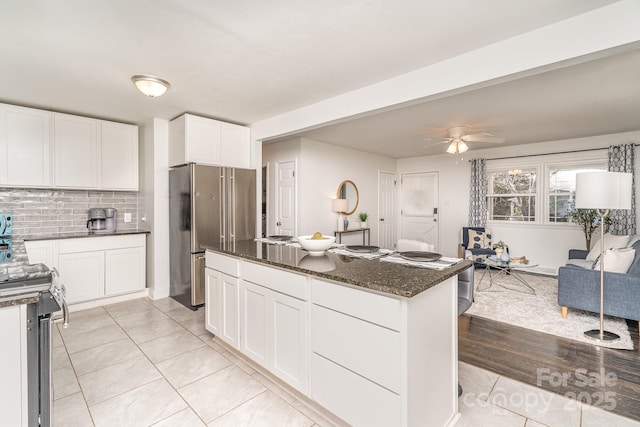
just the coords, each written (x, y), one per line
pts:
(376, 275)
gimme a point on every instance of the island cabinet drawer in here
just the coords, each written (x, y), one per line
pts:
(374, 308)
(353, 398)
(362, 347)
(225, 264)
(285, 282)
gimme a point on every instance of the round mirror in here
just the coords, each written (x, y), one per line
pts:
(348, 190)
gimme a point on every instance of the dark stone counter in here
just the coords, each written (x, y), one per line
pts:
(81, 234)
(377, 275)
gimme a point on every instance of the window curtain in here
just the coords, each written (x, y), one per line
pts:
(621, 159)
(478, 194)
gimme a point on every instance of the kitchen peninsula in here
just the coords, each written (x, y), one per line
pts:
(373, 342)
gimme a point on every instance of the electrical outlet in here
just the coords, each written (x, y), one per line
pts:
(127, 217)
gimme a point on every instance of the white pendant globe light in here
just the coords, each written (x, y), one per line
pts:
(149, 85)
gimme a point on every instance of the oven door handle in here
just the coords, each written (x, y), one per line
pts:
(59, 292)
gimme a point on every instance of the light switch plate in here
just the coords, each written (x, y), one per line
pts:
(127, 217)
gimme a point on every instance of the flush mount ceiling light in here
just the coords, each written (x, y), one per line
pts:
(150, 85)
(457, 146)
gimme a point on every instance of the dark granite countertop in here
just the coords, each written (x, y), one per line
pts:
(81, 234)
(377, 275)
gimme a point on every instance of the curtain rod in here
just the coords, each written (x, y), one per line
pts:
(551, 154)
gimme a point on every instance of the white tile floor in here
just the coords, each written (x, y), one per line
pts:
(152, 363)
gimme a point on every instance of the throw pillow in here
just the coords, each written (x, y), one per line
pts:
(617, 260)
(478, 239)
(610, 241)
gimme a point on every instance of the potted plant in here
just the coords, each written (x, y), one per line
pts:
(363, 219)
(588, 220)
(499, 248)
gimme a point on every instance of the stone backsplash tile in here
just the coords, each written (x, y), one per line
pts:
(45, 211)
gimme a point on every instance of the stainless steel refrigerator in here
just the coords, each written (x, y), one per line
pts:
(207, 205)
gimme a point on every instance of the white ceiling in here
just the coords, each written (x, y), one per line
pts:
(248, 60)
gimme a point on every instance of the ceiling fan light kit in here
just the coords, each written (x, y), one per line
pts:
(458, 139)
(150, 85)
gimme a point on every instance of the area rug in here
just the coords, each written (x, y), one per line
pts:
(540, 312)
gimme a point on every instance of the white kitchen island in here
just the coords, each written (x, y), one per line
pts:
(374, 343)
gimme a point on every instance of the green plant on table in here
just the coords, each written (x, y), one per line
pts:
(363, 216)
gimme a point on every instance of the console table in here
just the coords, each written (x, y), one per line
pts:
(366, 234)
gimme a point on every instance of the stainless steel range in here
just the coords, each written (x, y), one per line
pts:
(38, 285)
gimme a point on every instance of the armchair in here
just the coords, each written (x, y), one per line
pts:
(476, 244)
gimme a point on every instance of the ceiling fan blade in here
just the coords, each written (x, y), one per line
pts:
(434, 142)
(482, 137)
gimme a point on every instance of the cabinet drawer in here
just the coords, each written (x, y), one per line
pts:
(67, 246)
(378, 309)
(362, 347)
(351, 397)
(225, 264)
(285, 282)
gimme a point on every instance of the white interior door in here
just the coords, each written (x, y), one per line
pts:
(285, 198)
(419, 211)
(387, 210)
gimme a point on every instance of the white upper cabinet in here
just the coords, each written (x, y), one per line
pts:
(75, 151)
(25, 146)
(234, 146)
(119, 156)
(94, 154)
(194, 139)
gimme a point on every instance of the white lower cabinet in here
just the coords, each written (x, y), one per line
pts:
(222, 310)
(13, 359)
(274, 332)
(82, 274)
(94, 267)
(254, 310)
(289, 332)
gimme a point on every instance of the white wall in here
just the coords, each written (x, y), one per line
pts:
(154, 189)
(321, 168)
(546, 245)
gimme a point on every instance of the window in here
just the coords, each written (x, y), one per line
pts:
(512, 195)
(537, 189)
(562, 188)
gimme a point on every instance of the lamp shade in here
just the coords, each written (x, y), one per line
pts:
(339, 205)
(603, 190)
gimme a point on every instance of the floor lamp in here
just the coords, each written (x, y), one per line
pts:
(603, 191)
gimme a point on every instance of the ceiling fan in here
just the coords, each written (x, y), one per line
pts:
(458, 139)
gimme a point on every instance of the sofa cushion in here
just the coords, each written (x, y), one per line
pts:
(617, 260)
(635, 266)
(479, 239)
(610, 241)
(584, 263)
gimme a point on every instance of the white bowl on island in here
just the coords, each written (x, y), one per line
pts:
(316, 246)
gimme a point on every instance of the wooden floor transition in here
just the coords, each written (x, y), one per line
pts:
(521, 354)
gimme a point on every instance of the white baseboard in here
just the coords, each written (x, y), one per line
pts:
(108, 300)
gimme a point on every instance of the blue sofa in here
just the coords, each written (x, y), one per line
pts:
(579, 288)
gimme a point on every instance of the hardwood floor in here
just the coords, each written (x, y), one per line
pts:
(606, 378)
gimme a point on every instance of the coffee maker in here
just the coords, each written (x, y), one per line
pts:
(97, 222)
(102, 220)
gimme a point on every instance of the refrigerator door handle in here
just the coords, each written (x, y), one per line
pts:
(232, 201)
(223, 205)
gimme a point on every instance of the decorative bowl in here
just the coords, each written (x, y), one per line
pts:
(316, 247)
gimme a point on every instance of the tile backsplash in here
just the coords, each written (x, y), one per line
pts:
(45, 211)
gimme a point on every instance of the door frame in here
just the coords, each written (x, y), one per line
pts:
(395, 207)
(276, 196)
(436, 203)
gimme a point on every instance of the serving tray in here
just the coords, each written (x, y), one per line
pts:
(280, 238)
(420, 256)
(363, 249)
